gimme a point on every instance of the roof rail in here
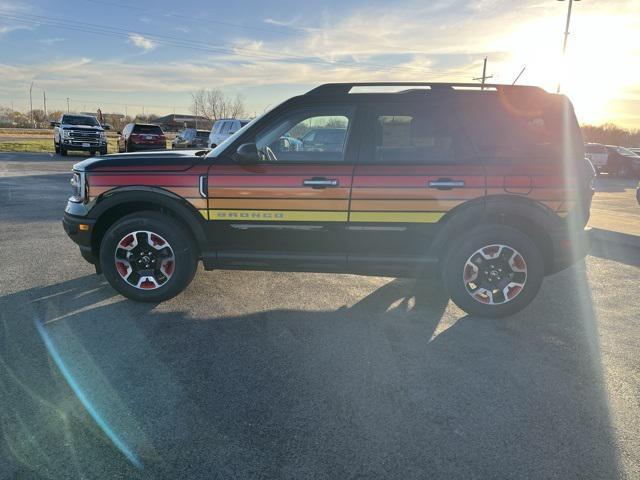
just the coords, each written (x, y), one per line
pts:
(344, 88)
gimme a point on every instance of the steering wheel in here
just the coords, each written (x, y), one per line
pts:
(272, 156)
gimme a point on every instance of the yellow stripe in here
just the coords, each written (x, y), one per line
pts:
(205, 214)
(399, 217)
(277, 215)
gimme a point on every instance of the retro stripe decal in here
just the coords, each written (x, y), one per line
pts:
(396, 217)
(274, 215)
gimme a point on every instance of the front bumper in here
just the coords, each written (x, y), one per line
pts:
(78, 145)
(80, 230)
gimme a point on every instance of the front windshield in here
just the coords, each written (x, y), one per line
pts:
(626, 152)
(220, 148)
(80, 120)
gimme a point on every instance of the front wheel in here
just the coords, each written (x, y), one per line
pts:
(494, 271)
(63, 151)
(148, 257)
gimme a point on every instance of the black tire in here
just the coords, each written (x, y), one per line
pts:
(63, 151)
(103, 151)
(213, 145)
(56, 148)
(127, 148)
(455, 263)
(183, 248)
(92, 153)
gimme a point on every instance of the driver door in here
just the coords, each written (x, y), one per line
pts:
(290, 209)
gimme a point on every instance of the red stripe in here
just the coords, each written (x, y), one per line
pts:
(310, 170)
(199, 169)
(271, 181)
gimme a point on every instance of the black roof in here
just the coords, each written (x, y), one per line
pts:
(345, 88)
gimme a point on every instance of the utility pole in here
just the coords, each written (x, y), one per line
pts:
(31, 103)
(566, 33)
(44, 97)
(484, 76)
(68, 111)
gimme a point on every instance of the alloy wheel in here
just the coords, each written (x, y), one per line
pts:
(144, 260)
(495, 274)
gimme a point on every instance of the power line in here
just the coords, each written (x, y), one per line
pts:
(192, 45)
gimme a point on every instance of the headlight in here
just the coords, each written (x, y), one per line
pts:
(66, 133)
(103, 135)
(77, 184)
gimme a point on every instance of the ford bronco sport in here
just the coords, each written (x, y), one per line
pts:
(488, 188)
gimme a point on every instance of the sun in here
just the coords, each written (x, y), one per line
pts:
(601, 62)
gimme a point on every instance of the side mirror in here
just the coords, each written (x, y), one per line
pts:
(119, 133)
(247, 153)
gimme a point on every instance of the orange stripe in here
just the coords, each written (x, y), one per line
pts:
(181, 191)
(278, 204)
(405, 205)
(198, 202)
(270, 192)
(416, 193)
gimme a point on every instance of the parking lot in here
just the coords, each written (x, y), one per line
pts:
(293, 375)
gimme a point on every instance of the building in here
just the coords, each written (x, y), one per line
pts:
(177, 122)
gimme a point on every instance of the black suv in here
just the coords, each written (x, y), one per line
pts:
(488, 188)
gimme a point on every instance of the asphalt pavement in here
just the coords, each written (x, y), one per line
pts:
(295, 375)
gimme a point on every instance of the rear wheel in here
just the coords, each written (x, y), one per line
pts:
(103, 151)
(148, 257)
(56, 148)
(494, 272)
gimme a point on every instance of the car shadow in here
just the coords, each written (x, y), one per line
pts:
(617, 250)
(397, 385)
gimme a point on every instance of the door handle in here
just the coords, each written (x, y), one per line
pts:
(446, 184)
(320, 182)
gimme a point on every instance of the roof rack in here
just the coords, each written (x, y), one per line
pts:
(345, 88)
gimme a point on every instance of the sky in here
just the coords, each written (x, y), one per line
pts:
(123, 55)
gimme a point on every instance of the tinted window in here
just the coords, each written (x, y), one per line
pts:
(288, 139)
(80, 120)
(148, 129)
(243, 122)
(521, 124)
(591, 148)
(415, 134)
(202, 134)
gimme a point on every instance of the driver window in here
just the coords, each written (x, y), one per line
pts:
(309, 135)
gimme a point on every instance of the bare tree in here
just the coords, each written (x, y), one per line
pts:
(214, 104)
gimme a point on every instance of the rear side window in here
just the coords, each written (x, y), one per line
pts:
(148, 129)
(225, 127)
(203, 134)
(426, 134)
(521, 125)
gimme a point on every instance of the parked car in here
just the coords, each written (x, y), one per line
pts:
(141, 136)
(223, 129)
(191, 138)
(598, 154)
(79, 132)
(489, 189)
(622, 162)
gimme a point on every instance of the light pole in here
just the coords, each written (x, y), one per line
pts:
(31, 103)
(566, 32)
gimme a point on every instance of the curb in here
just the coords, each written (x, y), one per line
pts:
(608, 236)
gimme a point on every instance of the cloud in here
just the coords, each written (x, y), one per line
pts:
(51, 41)
(142, 42)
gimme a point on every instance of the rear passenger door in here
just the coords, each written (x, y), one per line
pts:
(291, 207)
(415, 165)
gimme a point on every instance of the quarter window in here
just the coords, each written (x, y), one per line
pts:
(308, 135)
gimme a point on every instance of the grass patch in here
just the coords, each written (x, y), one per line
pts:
(35, 145)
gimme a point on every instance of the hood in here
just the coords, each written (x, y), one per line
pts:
(166, 161)
(93, 128)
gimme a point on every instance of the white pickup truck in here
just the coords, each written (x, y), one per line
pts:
(79, 132)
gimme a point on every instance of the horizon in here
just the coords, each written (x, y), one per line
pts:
(156, 55)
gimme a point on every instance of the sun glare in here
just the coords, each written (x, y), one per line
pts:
(598, 65)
